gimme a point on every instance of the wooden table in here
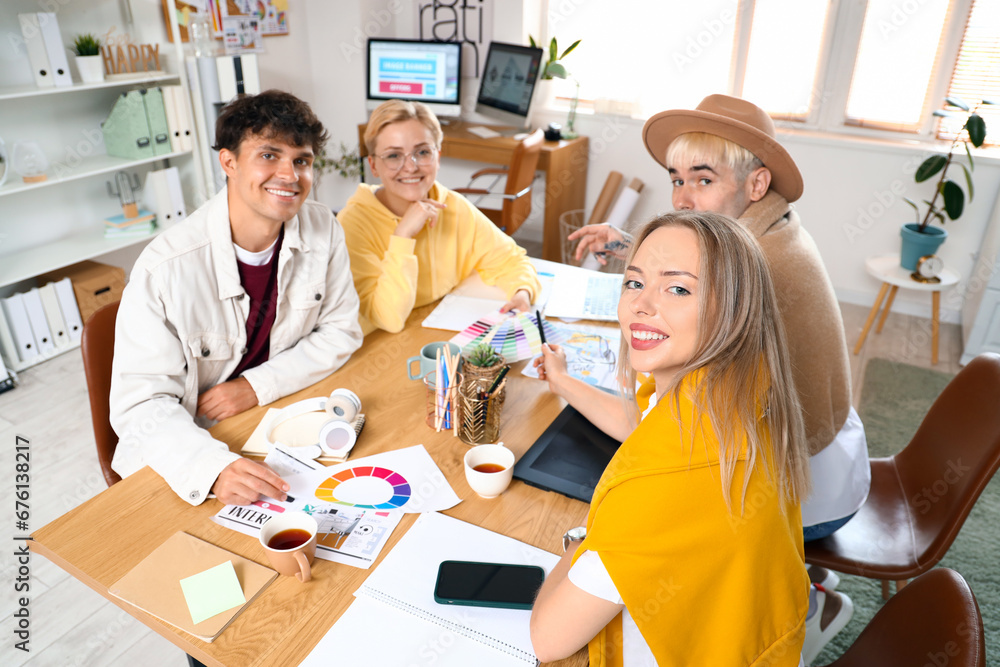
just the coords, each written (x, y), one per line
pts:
(101, 540)
(893, 276)
(564, 163)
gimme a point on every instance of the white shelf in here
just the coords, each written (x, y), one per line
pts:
(17, 365)
(68, 250)
(31, 90)
(91, 166)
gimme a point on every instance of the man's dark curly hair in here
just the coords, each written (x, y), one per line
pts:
(272, 114)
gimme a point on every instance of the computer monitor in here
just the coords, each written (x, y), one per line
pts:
(408, 69)
(508, 82)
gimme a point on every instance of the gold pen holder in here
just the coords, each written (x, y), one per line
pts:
(442, 402)
(479, 418)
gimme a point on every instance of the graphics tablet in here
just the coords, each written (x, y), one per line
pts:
(569, 457)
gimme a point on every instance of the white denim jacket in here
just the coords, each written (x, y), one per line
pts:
(181, 330)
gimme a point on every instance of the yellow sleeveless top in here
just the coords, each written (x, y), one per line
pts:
(704, 585)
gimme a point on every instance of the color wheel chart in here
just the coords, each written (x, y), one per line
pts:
(365, 487)
(514, 335)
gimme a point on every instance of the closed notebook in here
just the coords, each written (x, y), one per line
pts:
(154, 584)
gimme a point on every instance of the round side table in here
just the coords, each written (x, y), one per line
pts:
(887, 269)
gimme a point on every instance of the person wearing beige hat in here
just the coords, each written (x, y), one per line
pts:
(723, 157)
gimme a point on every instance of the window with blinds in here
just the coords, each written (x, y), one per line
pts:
(782, 56)
(895, 64)
(977, 70)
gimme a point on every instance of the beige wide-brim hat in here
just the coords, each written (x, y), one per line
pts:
(734, 119)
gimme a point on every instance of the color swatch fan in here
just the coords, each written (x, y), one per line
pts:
(514, 335)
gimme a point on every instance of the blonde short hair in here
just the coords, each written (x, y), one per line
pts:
(741, 353)
(692, 147)
(397, 111)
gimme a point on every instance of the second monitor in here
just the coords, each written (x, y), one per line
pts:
(508, 83)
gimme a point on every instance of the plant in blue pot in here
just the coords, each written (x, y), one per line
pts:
(920, 238)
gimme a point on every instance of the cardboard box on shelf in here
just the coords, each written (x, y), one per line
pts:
(94, 284)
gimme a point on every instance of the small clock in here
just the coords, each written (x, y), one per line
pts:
(929, 268)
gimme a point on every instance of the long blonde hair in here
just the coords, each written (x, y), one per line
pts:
(741, 351)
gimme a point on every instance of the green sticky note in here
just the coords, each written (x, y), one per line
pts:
(212, 592)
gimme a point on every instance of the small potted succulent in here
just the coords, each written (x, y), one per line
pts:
(87, 48)
(482, 362)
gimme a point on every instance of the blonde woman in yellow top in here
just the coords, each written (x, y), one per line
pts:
(412, 240)
(693, 552)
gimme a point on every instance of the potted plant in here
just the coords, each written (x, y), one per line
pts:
(87, 48)
(482, 362)
(920, 238)
(347, 163)
(552, 69)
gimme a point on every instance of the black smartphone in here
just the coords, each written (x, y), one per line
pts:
(488, 584)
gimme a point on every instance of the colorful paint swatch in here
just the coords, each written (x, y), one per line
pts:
(327, 490)
(514, 335)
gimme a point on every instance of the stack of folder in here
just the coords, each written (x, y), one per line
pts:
(148, 122)
(118, 227)
(46, 52)
(39, 323)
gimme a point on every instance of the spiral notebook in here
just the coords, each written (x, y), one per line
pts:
(397, 599)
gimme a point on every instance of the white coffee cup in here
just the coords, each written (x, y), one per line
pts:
(489, 484)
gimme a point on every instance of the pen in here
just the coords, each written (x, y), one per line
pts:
(500, 376)
(541, 329)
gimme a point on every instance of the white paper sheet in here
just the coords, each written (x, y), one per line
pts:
(399, 595)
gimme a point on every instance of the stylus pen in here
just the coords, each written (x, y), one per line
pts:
(541, 329)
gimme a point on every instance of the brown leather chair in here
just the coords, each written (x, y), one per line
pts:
(98, 346)
(920, 497)
(934, 621)
(517, 191)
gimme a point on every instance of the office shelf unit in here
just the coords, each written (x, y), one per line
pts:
(59, 221)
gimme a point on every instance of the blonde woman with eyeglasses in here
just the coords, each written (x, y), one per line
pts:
(412, 240)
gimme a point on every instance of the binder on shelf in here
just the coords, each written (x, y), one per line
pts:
(8, 348)
(163, 194)
(54, 48)
(173, 178)
(53, 315)
(37, 56)
(175, 102)
(69, 308)
(17, 320)
(173, 124)
(126, 130)
(39, 325)
(156, 117)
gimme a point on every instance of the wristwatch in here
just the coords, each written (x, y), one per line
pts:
(574, 535)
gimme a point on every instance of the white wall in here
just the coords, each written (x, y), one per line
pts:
(853, 196)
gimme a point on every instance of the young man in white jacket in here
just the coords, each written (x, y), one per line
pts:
(248, 300)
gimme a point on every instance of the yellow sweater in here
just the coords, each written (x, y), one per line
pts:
(704, 586)
(394, 275)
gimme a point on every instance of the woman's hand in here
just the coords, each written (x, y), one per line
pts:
(421, 212)
(551, 366)
(521, 302)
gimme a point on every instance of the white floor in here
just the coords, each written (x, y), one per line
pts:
(73, 625)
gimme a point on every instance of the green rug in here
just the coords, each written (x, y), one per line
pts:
(894, 399)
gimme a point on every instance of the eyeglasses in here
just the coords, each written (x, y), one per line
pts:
(421, 157)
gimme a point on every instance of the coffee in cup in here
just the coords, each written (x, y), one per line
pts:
(289, 540)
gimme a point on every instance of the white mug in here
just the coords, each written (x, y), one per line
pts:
(489, 484)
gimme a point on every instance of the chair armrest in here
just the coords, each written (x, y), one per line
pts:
(470, 191)
(499, 171)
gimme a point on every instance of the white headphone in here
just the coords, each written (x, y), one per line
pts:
(337, 435)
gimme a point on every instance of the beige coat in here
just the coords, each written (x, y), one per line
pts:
(809, 309)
